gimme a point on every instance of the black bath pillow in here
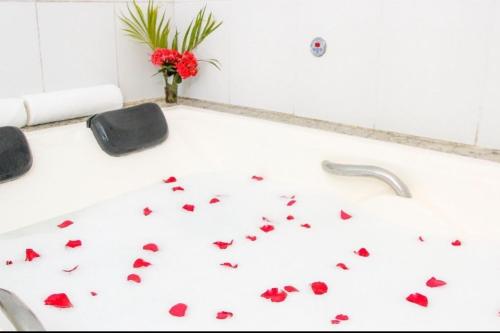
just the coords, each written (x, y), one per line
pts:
(128, 130)
(15, 154)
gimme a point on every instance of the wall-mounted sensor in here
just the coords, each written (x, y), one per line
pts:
(318, 47)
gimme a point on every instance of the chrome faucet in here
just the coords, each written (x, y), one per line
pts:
(20, 316)
(368, 171)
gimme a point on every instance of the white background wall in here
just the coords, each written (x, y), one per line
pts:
(422, 67)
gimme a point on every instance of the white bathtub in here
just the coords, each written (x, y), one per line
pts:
(460, 195)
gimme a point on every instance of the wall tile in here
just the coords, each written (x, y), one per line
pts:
(341, 86)
(77, 44)
(432, 55)
(20, 69)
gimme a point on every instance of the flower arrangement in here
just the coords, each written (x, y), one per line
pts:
(176, 61)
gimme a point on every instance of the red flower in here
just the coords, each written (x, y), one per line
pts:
(177, 188)
(257, 178)
(420, 238)
(291, 289)
(418, 299)
(146, 211)
(342, 317)
(188, 207)
(65, 224)
(178, 310)
(342, 266)
(274, 295)
(151, 247)
(162, 57)
(456, 243)
(214, 200)
(228, 264)
(141, 263)
(267, 228)
(170, 180)
(362, 252)
(224, 315)
(187, 66)
(59, 301)
(290, 217)
(291, 202)
(74, 243)
(319, 288)
(306, 225)
(335, 322)
(434, 283)
(344, 215)
(134, 278)
(93, 293)
(252, 238)
(30, 255)
(223, 245)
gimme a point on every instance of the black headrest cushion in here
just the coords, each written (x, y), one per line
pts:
(128, 130)
(15, 154)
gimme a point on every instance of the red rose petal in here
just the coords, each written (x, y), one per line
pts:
(228, 264)
(362, 252)
(188, 207)
(65, 224)
(291, 202)
(139, 263)
(223, 245)
(291, 289)
(434, 283)
(342, 317)
(71, 270)
(151, 247)
(342, 266)
(252, 238)
(418, 299)
(178, 310)
(290, 217)
(335, 322)
(306, 225)
(74, 243)
(146, 211)
(134, 278)
(93, 293)
(59, 301)
(257, 178)
(177, 188)
(420, 238)
(319, 288)
(170, 180)
(31, 254)
(267, 228)
(344, 215)
(224, 315)
(214, 200)
(8, 262)
(456, 243)
(274, 295)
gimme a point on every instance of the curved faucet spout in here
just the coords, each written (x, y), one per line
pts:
(21, 317)
(368, 171)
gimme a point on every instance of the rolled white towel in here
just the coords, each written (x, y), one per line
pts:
(68, 104)
(12, 112)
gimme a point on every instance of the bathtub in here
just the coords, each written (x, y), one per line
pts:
(454, 198)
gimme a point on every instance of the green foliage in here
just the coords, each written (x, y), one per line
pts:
(148, 27)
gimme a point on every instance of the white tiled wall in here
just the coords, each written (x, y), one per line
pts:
(424, 67)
